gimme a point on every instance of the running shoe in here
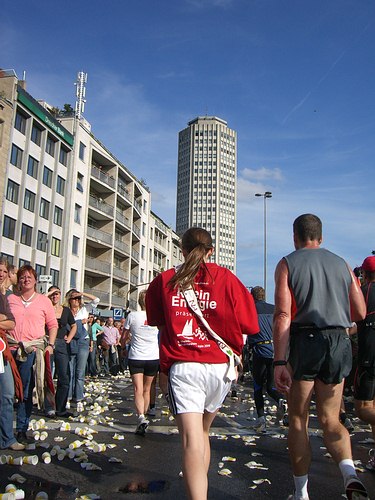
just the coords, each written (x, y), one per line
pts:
(294, 497)
(151, 412)
(142, 425)
(371, 463)
(261, 424)
(282, 408)
(347, 423)
(355, 489)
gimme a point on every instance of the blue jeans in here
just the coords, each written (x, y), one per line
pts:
(92, 368)
(62, 365)
(25, 407)
(77, 369)
(6, 407)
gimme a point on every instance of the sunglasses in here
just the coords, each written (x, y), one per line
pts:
(76, 298)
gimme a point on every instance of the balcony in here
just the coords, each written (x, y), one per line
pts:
(134, 279)
(99, 236)
(135, 255)
(124, 192)
(103, 177)
(138, 207)
(118, 301)
(101, 205)
(119, 273)
(98, 265)
(122, 219)
(137, 230)
(122, 247)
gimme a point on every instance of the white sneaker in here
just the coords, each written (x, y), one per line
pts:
(355, 489)
(142, 425)
(67, 405)
(261, 424)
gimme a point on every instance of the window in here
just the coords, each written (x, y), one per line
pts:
(80, 182)
(16, 156)
(12, 191)
(20, 122)
(23, 262)
(55, 276)
(36, 134)
(29, 200)
(7, 257)
(50, 146)
(44, 208)
(75, 245)
(77, 214)
(40, 269)
(60, 185)
(143, 229)
(32, 167)
(55, 247)
(47, 176)
(73, 278)
(26, 234)
(9, 227)
(63, 157)
(82, 148)
(41, 242)
(143, 248)
(57, 216)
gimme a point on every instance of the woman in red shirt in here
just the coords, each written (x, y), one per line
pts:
(197, 368)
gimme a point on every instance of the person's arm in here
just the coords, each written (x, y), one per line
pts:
(357, 301)
(7, 321)
(281, 326)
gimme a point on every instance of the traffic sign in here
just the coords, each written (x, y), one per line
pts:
(117, 313)
(45, 278)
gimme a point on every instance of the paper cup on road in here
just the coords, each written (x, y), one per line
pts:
(75, 444)
(55, 450)
(41, 495)
(46, 457)
(14, 461)
(31, 459)
(36, 435)
(65, 426)
(61, 455)
(3, 459)
(12, 489)
(43, 435)
(7, 496)
(98, 447)
(30, 446)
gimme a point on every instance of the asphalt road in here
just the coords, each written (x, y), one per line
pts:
(138, 467)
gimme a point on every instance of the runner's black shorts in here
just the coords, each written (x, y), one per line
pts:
(364, 384)
(148, 367)
(320, 354)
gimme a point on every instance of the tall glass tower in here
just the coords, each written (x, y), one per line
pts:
(207, 184)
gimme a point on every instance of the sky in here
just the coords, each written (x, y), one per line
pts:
(294, 78)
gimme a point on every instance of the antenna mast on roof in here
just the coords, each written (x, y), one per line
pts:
(80, 93)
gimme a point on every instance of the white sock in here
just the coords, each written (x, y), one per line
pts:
(300, 486)
(347, 468)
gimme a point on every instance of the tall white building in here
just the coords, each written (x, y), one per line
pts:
(70, 208)
(207, 184)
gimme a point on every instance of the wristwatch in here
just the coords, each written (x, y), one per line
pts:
(51, 345)
(279, 362)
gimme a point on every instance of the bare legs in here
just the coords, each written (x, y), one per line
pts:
(142, 386)
(194, 430)
(366, 412)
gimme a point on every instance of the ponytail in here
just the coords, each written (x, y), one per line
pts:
(196, 242)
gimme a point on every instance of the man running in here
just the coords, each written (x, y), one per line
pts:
(316, 299)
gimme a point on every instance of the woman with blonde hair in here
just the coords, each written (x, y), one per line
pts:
(143, 360)
(191, 305)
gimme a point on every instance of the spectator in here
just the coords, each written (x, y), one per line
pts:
(109, 342)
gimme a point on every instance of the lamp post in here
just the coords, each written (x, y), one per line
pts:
(266, 194)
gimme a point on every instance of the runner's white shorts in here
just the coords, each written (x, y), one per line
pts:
(197, 387)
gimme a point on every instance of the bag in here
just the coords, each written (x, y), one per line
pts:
(73, 346)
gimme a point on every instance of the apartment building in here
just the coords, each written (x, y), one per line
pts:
(70, 207)
(207, 184)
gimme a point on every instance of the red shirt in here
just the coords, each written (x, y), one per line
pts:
(226, 304)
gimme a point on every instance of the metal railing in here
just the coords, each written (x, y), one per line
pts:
(120, 217)
(137, 230)
(123, 247)
(101, 205)
(98, 265)
(99, 235)
(103, 176)
(124, 192)
(135, 255)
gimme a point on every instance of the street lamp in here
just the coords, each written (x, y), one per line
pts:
(265, 195)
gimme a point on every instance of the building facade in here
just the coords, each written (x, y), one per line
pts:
(70, 208)
(207, 184)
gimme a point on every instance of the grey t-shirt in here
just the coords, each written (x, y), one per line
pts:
(320, 282)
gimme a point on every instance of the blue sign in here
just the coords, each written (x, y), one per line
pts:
(117, 313)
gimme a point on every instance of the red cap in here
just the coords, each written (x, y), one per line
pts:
(369, 263)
